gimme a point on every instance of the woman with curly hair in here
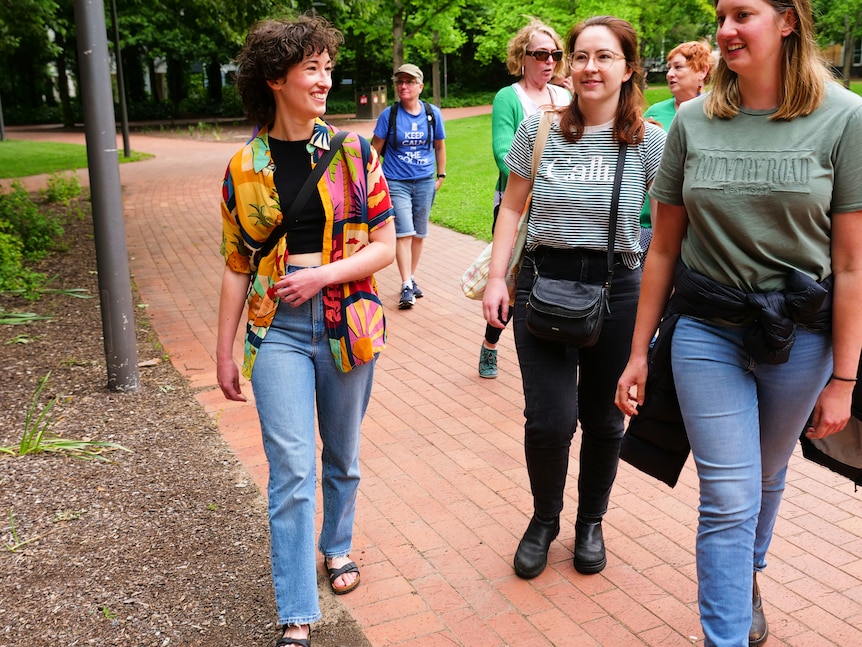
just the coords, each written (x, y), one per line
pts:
(315, 324)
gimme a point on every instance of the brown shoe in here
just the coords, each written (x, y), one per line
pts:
(759, 631)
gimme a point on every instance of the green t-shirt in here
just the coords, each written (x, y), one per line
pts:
(663, 112)
(760, 194)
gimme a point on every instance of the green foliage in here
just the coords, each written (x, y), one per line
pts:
(62, 188)
(14, 276)
(36, 229)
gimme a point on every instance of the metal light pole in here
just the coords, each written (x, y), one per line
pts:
(112, 260)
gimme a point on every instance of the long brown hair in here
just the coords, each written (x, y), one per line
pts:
(629, 125)
(803, 71)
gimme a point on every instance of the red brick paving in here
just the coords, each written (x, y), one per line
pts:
(444, 496)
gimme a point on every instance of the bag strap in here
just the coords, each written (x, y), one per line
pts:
(615, 204)
(301, 198)
(541, 140)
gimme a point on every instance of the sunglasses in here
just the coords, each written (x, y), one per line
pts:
(543, 55)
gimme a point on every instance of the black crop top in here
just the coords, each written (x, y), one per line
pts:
(292, 167)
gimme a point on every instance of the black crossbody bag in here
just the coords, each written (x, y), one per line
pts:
(299, 201)
(573, 312)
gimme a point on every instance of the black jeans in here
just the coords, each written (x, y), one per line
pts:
(564, 384)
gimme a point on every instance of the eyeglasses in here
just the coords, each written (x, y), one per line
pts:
(603, 59)
(543, 55)
(406, 82)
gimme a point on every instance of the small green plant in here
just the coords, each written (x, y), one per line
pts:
(212, 506)
(62, 188)
(16, 541)
(38, 231)
(38, 438)
(19, 318)
(68, 515)
(13, 274)
(23, 338)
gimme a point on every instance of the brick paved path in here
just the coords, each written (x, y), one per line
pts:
(444, 496)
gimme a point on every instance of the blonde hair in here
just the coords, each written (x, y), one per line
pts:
(803, 72)
(517, 47)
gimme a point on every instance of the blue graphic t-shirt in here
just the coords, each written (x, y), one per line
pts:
(413, 157)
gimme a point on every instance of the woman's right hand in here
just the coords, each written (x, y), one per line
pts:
(633, 378)
(495, 302)
(227, 374)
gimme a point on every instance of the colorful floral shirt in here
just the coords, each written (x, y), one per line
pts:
(356, 201)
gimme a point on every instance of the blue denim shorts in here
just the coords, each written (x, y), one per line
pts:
(412, 200)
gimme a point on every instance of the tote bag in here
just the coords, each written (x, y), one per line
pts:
(475, 278)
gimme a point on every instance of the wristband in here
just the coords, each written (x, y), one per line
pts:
(842, 379)
(441, 175)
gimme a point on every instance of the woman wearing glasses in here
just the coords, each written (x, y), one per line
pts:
(536, 54)
(410, 136)
(567, 239)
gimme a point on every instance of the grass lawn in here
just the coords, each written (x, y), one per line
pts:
(22, 158)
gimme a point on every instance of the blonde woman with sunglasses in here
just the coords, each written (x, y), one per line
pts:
(535, 54)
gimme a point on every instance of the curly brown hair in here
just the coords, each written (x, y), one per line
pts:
(629, 126)
(271, 48)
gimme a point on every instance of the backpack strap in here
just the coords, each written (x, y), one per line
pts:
(432, 123)
(393, 117)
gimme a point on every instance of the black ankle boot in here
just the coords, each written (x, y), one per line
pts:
(589, 547)
(532, 554)
(759, 631)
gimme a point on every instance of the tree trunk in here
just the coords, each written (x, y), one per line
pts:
(398, 37)
(214, 84)
(63, 83)
(848, 52)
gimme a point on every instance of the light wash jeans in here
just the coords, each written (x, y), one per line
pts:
(294, 371)
(412, 200)
(743, 421)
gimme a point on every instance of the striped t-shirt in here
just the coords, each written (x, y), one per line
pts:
(574, 183)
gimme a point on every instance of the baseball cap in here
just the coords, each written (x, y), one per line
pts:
(410, 70)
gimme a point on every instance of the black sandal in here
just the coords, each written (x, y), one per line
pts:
(301, 642)
(335, 573)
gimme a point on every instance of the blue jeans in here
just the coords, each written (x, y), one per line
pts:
(412, 200)
(743, 421)
(564, 384)
(294, 371)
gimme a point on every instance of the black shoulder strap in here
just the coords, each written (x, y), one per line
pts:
(300, 199)
(393, 117)
(432, 123)
(615, 204)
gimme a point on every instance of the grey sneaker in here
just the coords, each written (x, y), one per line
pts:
(417, 291)
(407, 298)
(487, 363)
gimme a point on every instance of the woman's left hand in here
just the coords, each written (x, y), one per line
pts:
(296, 288)
(832, 410)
